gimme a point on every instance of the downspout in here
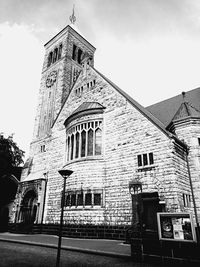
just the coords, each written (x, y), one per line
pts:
(45, 190)
(192, 192)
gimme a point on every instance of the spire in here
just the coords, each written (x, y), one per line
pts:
(72, 18)
(183, 95)
(186, 110)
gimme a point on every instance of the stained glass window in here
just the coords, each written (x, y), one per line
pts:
(77, 145)
(98, 140)
(90, 142)
(72, 146)
(84, 140)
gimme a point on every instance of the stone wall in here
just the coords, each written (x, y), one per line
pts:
(126, 134)
(189, 130)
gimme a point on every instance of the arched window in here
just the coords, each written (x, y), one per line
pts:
(84, 140)
(72, 146)
(90, 142)
(98, 142)
(74, 52)
(55, 55)
(68, 148)
(79, 56)
(77, 144)
(60, 51)
(49, 59)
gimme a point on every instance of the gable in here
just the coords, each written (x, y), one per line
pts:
(83, 91)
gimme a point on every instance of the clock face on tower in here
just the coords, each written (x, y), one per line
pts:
(51, 78)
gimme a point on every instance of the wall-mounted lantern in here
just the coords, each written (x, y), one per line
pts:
(135, 187)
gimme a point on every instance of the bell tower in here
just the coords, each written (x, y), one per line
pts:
(63, 61)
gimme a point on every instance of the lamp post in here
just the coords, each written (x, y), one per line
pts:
(135, 187)
(64, 174)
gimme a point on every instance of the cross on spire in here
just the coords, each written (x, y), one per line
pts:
(72, 18)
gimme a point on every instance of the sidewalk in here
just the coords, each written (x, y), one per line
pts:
(114, 248)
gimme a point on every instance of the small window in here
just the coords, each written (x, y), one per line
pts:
(67, 201)
(55, 55)
(79, 56)
(50, 59)
(139, 160)
(151, 158)
(88, 199)
(83, 199)
(97, 199)
(187, 200)
(60, 51)
(74, 52)
(73, 200)
(199, 141)
(42, 148)
(80, 199)
(145, 160)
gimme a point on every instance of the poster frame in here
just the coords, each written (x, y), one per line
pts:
(179, 215)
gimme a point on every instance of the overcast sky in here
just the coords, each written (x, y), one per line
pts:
(149, 48)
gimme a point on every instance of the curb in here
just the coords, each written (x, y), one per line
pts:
(88, 251)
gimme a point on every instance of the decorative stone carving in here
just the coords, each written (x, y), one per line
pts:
(51, 78)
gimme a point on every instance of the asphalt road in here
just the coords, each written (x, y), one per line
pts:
(20, 255)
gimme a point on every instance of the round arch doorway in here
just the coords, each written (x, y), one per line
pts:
(29, 207)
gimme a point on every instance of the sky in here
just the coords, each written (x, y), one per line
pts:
(149, 48)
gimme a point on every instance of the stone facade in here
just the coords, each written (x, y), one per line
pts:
(132, 143)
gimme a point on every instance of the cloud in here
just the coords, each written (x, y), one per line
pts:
(20, 67)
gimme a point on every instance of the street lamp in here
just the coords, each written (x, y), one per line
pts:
(64, 174)
(135, 187)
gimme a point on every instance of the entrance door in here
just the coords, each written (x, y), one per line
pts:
(149, 208)
(29, 208)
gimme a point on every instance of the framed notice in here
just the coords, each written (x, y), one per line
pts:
(176, 227)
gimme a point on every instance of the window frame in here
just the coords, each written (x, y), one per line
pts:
(72, 195)
(145, 160)
(94, 125)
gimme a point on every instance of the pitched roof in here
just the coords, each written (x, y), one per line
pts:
(166, 110)
(139, 107)
(87, 106)
(84, 108)
(34, 176)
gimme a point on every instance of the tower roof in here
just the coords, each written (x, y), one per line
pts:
(186, 110)
(166, 110)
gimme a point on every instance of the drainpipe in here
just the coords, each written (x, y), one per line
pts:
(45, 190)
(192, 192)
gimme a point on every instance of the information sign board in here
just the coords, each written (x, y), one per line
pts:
(176, 227)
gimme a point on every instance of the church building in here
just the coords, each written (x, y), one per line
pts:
(87, 124)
